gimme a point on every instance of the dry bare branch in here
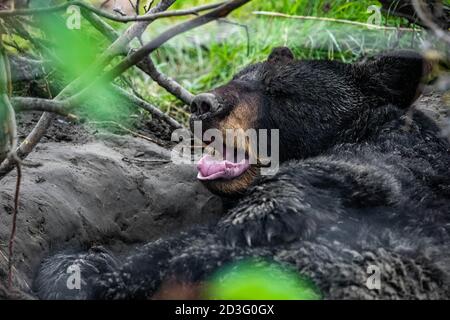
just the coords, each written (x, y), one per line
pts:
(37, 104)
(33, 138)
(12, 236)
(151, 46)
(325, 19)
(108, 15)
(117, 47)
(164, 81)
(63, 107)
(104, 28)
(147, 106)
(146, 65)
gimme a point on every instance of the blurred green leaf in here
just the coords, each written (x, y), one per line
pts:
(251, 280)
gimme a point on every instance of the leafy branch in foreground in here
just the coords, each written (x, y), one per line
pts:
(72, 93)
(70, 97)
(8, 143)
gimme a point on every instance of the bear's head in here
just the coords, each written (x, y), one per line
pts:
(313, 104)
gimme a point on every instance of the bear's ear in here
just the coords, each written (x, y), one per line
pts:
(394, 77)
(275, 76)
(281, 54)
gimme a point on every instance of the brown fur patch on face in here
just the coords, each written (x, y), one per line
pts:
(233, 187)
(241, 118)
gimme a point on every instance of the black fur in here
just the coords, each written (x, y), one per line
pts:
(361, 184)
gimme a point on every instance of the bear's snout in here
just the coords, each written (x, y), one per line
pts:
(203, 104)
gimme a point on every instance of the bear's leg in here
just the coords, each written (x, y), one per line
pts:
(102, 276)
(311, 195)
(71, 275)
(340, 270)
(142, 272)
(370, 272)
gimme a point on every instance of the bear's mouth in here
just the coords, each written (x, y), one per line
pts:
(224, 166)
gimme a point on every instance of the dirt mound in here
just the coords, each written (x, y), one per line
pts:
(117, 191)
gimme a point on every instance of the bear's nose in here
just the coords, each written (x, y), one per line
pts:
(204, 103)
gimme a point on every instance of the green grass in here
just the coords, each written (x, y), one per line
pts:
(210, 55)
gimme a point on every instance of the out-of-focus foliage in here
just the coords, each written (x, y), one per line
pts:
(251, 280)
(209, 56)
(72, 51)
(355, 10)
(5, 107)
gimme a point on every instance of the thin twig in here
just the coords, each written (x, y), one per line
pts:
(149, 5)
(14, 225)
(164, 81)
(151, 46)
(325, 19)
(152, 161)
(38, 104)
(104, 3)
(247, 33)
(146, 65)
(138, 4)
(33, 138)
(134, 133)
(147, 106)
(100, 25)
(118, 47)
(106, 14)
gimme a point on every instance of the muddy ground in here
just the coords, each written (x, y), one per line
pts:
(90, 187)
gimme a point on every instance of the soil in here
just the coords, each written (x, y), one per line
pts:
(88, 186)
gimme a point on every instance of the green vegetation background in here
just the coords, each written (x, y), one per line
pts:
(209, 56)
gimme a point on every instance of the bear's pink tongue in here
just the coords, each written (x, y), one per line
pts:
(210, 168)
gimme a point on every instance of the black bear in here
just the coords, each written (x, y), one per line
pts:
(363, 181)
